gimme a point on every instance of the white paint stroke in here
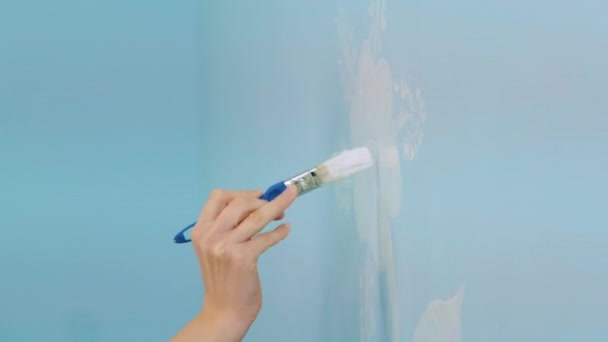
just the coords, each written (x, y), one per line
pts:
(387, 117)
(440, 322)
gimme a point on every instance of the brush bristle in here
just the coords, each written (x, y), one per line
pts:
(346, 163)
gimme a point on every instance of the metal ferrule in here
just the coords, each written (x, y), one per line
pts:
(306, 182)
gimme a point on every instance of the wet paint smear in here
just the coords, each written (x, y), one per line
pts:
(440, 322)
(387, 116)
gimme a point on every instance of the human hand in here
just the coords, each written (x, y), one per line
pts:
(227, 246)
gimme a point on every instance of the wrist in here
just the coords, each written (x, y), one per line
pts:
(214, 326)
(224, 326)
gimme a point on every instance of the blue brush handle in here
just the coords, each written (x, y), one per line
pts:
(270, 194)
(274, 191)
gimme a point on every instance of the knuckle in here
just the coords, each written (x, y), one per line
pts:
(204, 241)
(198, 232)
(218, 250)
(258, 217)
(226, 253)
(217, 194)
(239, 202)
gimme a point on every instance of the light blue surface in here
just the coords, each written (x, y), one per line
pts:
(117, 118)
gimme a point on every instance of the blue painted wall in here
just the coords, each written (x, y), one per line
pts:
(117, 119)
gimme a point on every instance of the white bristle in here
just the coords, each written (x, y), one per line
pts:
(347, 162)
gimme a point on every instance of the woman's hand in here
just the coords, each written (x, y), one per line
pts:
(227, 246)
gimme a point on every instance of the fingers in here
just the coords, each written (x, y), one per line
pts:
(258, 219)
(219, 199)
(238, 209)
(264, 241)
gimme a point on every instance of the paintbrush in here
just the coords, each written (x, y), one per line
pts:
(342, 165)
